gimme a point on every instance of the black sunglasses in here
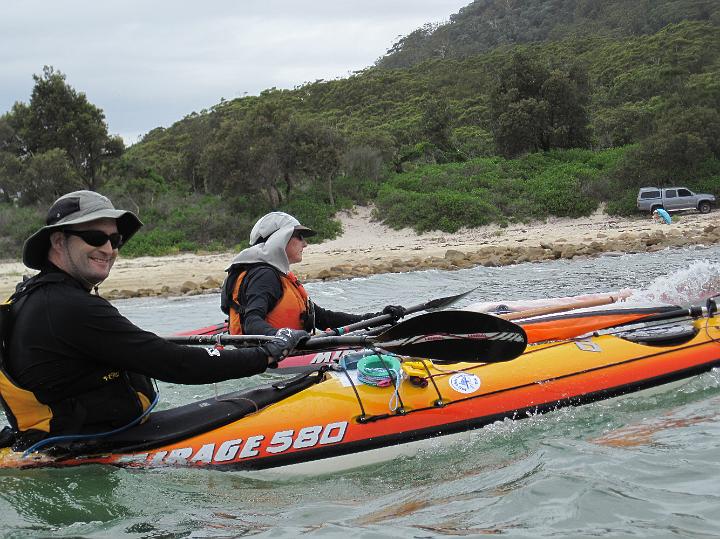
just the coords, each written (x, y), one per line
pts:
(298, 235)
(97, 238)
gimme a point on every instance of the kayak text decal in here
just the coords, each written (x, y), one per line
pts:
(239, 449)
(588, 346)
(327, 357)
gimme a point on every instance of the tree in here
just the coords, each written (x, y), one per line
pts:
(9, 141)
(60, 117)
(518, 128)
(436, 123)
(683, 142)
(192, 145)
(700, 122)
(10, 176)
(534, 108)
(266, 151)
(319, 148)
(363, 163)
(46, 176)
(10, 164)
(249, 155)
(567, 119)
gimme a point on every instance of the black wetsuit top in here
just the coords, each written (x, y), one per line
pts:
(70, 347)
(261, 290)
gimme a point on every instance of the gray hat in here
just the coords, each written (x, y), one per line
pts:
(274, 221)
(72, 209)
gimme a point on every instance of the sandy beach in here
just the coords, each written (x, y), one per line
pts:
(368, 247)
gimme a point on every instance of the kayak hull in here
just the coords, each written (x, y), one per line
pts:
(338, 421)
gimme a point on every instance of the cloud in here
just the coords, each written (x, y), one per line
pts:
(149, 63)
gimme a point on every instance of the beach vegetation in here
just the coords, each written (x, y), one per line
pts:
(509, 112)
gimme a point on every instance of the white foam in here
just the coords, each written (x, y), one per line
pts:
(692, 285)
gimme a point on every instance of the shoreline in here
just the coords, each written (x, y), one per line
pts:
(367, 247)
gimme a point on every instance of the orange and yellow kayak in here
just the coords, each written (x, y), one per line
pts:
(329, 420)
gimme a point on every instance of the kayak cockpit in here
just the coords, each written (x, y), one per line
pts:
(169, 426)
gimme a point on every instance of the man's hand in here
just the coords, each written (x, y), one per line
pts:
(283, 343)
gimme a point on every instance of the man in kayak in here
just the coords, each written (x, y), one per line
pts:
(261, 294)
(73, 363)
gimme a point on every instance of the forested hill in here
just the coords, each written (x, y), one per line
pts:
(484, 25)
(590, 101)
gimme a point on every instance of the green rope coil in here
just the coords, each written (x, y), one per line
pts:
(379, 370)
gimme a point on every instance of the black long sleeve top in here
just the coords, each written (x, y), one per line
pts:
(63, 334)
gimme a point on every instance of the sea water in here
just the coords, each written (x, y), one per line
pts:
(645, 465)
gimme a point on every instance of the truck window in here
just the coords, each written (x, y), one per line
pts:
(684, 193)
(650, 194)
(670, 193)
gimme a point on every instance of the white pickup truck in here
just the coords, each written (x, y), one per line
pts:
(673, 199)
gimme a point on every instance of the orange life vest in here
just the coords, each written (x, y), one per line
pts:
(287, 313)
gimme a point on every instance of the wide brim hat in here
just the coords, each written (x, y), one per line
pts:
(72, 209)
(270, 223)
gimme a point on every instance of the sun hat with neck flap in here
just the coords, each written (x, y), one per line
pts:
(73, 209)
(270, 223)
(268, 240)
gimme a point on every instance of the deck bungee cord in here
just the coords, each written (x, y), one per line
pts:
(377, 368)
(374, 368)
(378, 376)
(712, 308)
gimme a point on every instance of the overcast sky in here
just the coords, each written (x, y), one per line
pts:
(149, 63)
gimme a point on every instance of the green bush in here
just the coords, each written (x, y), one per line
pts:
(439, 210)
(314, 212)
(559, 191)
(158, 242)
(473, 141)
(358, 190)
(563, 183)
(17, 224)
(625, 204)
(710, 184)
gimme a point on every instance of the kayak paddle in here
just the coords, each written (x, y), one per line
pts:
(444, 336)
(430, 306)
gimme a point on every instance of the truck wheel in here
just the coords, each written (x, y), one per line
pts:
(704, 207)
(656, 207)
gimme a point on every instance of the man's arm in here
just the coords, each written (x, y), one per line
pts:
(100, 334)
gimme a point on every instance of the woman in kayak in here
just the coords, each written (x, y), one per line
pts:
(261, 294)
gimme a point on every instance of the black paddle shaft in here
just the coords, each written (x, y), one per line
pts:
(443, 336)
(432, 305)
